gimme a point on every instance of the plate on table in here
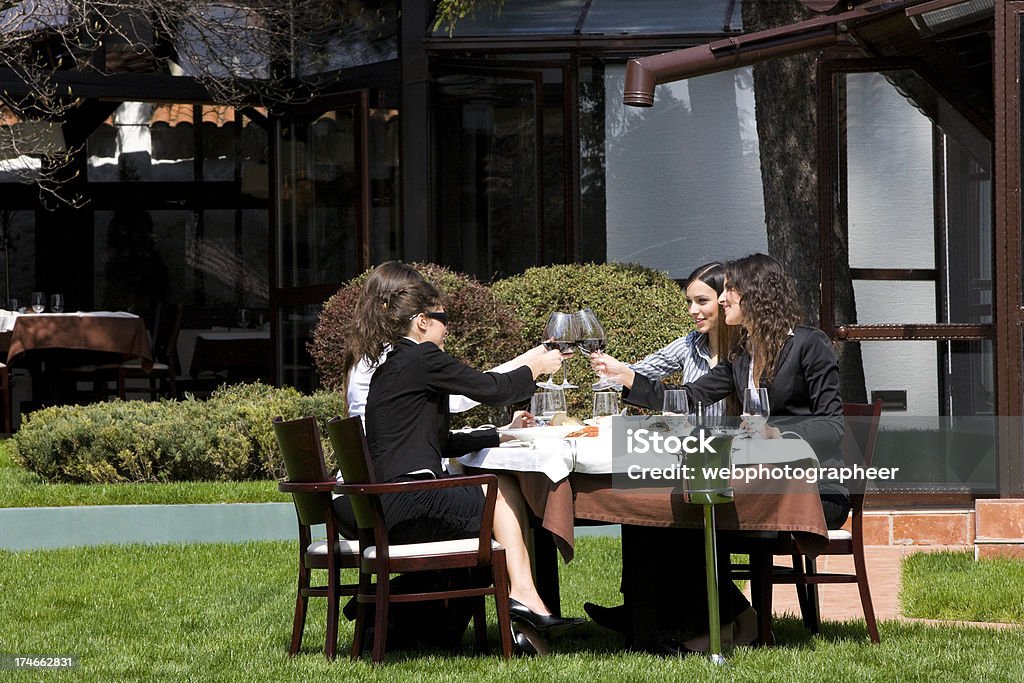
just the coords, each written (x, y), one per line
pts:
(538, 433)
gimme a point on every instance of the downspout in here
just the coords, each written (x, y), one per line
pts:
(644, 73)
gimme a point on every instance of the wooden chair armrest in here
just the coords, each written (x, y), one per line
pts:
(486, 520)
(417, 485)
(306, 486)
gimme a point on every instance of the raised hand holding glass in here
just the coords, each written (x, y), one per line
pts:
(558, 334)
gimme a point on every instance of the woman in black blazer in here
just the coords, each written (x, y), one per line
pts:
(407, 429)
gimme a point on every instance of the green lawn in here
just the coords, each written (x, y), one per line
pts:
(952, 585)
(223, 613)
(20, 488)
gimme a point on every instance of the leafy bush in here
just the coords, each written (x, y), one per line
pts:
(483, 331)
(227, 437)
(640, 310)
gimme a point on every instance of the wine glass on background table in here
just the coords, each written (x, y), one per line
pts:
(756, 410)
(57, 303)
(591, 338)
(38, 302)
(559, 334)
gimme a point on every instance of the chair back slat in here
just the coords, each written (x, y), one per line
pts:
(299, 441)
(859, 443)
(353, 456)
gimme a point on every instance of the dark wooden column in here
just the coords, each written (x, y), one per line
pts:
(415, 145)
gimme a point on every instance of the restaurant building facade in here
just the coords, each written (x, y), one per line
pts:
(504, 142)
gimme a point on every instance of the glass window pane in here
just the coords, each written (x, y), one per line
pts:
(385, 217)
(887, 301)
(140, 258)
(889, 185)
(684, 176)
(487, 174)
(319, 201)
(519, 17)
(366, 33)
(18, 239)
(936, 378)
(295, 331)
(662, 16)
(142, 141)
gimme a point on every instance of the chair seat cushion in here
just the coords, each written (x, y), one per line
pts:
(839, 535)
(345, 547)
(461, 545)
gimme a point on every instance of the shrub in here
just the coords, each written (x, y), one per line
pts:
(227, 437)
(640, 310)
(483, 332)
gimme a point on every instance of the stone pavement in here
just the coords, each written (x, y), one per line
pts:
(840, 602)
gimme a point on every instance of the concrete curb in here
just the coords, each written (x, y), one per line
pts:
(62, 527)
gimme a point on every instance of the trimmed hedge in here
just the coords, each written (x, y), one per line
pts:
(640, 309)
(227, 437)
(483, 332)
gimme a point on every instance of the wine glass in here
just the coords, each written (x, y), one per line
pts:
(38, 302)
(243, 318)
(606, 403)
(12, 304)
(558, 334)
(755, 409)
(57, 303)
(590, 338)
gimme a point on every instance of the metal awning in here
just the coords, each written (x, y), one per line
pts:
(900, 33)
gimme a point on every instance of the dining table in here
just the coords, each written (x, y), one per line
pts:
(237, 354)
(46, 342)
(568, 482)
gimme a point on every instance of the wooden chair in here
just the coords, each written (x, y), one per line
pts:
(310, 486)
(380, 558)
(162, 375)
(858, 446)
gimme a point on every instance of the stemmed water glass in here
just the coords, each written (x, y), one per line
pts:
(544, 405)
(559, 334)
(756, 409)
(676, 402)
(57, 303)
(590, 338)
(606, 403)
(38, 302)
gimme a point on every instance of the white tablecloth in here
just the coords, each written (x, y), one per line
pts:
(557, 458)
(9, 318)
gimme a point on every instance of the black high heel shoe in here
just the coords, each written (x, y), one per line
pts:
(546, 625)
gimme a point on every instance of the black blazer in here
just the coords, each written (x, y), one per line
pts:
(803, 396)
(407, 407)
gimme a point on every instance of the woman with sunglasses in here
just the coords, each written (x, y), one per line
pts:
(367, 345)
(407, 429)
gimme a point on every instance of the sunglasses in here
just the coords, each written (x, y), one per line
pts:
(439, 316)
